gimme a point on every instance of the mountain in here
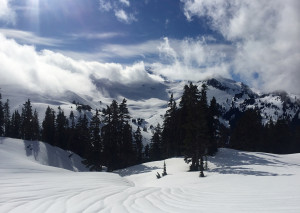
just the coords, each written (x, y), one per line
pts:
(147, 101)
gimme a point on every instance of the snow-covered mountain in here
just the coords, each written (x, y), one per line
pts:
(147, 101)
(235, 182)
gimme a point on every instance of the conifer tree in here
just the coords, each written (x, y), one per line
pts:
(48, 126)
(6, 115)
(61, 126)
(26, 120)
(1, 117)
(35, 126)
(155, 145)
(16, 125)
(170, 139)
(138, 141)
(96, 148)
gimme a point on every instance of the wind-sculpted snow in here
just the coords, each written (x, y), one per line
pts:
(235, 182)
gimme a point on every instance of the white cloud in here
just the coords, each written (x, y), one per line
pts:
(105, 5)
(49, 72)
(125, 2)
(105, 35)
(118, 8)
(29, 37)
(192, 59)
(7, 14)
(266, 35)
(124, 17)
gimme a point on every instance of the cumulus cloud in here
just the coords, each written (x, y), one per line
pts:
(7, 14)
(265, 34)
(49, 72)
(192, 59)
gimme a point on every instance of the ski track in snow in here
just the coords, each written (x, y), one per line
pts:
(236, 182)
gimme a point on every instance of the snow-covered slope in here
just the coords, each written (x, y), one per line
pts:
(236, 182)
(34, 156)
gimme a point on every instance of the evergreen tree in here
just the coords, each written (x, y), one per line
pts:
(61, 126)
(48, 125)
(16, 125)
(35, 126)
(170, 139)
(96, 148)
(1, 117)
(82, 136)
(247, 134)
(71, 132)
(27, 131)
(156, 145)
(6, 113)
(138, 141)
(165, 169)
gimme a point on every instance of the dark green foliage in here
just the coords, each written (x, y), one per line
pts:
(27, 122)
(6, 116)
(118, 149)
(35, 126)
(138, 145)
(95, 158)
(155, 151)
(1, 117)
(48, 126)
(165, 169)
(15, 125)
(247, 134)
(61, 126)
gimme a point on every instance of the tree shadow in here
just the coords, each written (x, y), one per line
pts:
(138, 169)
(236, 162)
(32, 148)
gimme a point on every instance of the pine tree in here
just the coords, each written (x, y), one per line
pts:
(169, 134)
(247, 134)
(96, 148)
(1, 117)
(16, 125)
(26, 120)
(61, 126)
(82, 136)
(138, 141)
(155, 145)
(71, 132)
(35, 126)
(6, 113)
(48, 125)
(165, 169)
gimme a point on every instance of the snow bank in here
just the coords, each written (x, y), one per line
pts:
(235, 182)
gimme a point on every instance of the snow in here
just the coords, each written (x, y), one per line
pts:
(236, 182)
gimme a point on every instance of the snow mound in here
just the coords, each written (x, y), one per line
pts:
(235, 182)
(27, 156)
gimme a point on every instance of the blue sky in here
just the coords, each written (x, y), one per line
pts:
(253, 41)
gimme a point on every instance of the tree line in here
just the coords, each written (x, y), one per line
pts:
(192, 129)
(107, 139)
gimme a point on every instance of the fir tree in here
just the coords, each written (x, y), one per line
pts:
(61, 126)
(1, 117)
(95, 157)
(16, 125)
(138, 141)
(7, 124)
(48, 126)
(155, 145)
(35, 126)
(26, 120)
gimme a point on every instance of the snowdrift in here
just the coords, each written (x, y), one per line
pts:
(235, 182)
